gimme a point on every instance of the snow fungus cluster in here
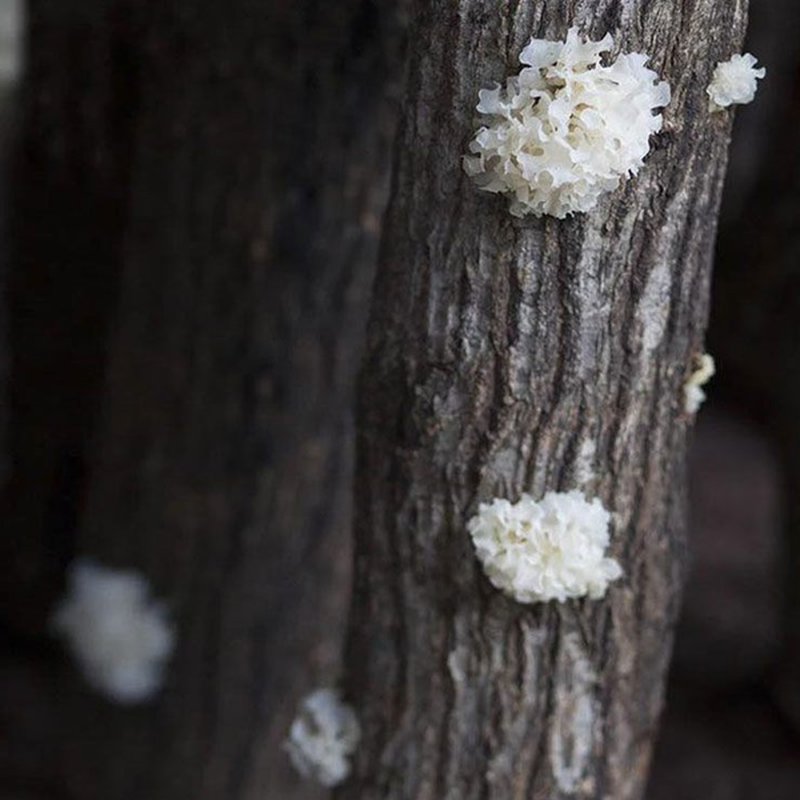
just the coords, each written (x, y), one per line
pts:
(554, 549)
(734, 82)
(568, 128)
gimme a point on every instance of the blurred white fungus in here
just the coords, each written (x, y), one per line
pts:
(323, 736)
(548, 550)
(11, 39)
(566, 129)
(734, 82)
(118, 635)
(693, 394)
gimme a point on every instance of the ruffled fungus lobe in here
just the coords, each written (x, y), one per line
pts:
(693, 394)
(322, 738)
(549, 550)
(568, 128)
(734, 82)
(117, 634)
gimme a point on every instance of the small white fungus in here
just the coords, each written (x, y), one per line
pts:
(548, 550)
(119, 636)
(566, 129)
(734, 82)
(322, 738)
(693, 394)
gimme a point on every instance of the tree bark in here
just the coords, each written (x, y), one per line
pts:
(507, 356)
(223, 462)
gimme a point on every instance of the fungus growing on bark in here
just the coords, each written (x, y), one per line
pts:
(322, 738)
(693, 394)
(566, 129)
(119, 637)
(734, 82)
(548, 550)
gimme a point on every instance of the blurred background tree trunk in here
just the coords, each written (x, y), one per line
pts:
(755, 327)
(507, 356)
(221, 469)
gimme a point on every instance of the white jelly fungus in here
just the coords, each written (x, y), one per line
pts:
(734, 82)
(322, 738)
(693, 394)
(568, 128)
(119, 636)
(548, 550)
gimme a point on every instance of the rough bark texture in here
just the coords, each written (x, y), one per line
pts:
(222, 466)
(509, 356)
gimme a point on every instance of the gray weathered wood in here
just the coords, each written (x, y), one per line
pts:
(509, 356)
(222, 469)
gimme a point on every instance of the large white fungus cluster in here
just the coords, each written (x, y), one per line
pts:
(549, 550)
(734, 82)
(693, 394)
(567, 128)
(119, 636)
(322, 737)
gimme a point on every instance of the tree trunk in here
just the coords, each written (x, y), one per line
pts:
(507, 356)
(223, 462)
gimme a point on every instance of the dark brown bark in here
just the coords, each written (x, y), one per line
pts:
(509, 356)
(223, 461)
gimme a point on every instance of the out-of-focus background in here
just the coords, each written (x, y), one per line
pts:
(726, 733)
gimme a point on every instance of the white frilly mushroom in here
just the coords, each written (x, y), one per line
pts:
(553, 549)
(734, 82)
(568, 128)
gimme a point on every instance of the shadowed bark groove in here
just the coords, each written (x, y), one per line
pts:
(509, 356)
(222, 466)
